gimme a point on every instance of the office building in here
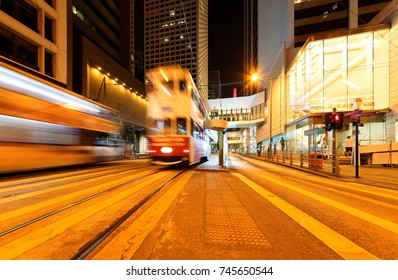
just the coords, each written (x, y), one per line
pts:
(84, 46)
(176, 32)
(101, 60)
(347, 69)
(32, 35)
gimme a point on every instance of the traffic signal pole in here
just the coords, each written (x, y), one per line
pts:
(333, 122)
(356, 149)
(335, 154)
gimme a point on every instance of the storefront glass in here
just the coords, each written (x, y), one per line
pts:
(340, 73)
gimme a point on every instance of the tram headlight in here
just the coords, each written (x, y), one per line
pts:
(166, 150)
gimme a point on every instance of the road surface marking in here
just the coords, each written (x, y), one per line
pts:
(363, 188)
(27, 242)
(335, 241)
(393, 227)
(361, 197)
(33, 207)
(128, 241)
(57, 188)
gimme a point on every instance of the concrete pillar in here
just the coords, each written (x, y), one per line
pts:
(221, 148)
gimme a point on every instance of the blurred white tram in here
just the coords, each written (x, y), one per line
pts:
(175, 118)
(42, 125)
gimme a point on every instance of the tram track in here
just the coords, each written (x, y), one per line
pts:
(91, 245)
(54, 212)
(138, 191)
(68, 177)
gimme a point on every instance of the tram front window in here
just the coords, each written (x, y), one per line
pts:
(182, 126)
(159, 126)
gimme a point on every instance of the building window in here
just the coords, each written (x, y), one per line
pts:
(27, 55)
(48, 29)
(50, 2)
(48, 66)
(21, 11)
(6, 45)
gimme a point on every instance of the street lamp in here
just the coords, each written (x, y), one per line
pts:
(254, 77)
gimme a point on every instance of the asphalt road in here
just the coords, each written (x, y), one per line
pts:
(254, 210)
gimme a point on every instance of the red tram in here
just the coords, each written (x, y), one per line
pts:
(175, 118)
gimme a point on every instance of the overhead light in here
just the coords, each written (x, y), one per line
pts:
(351, 84)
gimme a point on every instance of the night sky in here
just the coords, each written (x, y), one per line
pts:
(226, 42)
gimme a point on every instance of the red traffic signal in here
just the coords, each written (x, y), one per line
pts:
(334, 121)
(337, 120)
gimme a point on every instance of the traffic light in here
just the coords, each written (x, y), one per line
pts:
(328, 122)
(337, 120)
(334, 121)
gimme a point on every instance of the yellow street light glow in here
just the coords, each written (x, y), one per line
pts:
(254, 77)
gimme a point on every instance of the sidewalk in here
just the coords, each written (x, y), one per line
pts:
(376, 175)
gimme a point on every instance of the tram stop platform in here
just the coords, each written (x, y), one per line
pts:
(212, 165)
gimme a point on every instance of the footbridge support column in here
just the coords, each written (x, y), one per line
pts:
(220, 126)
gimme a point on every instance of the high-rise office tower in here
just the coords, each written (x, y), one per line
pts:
(109, 25)
(176, 32)
(102, 58)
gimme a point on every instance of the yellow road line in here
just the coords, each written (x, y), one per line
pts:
(335, 241)
(34, 207)
(49, 190)
(363, 188)
(24, 183)
(393, 227)
(361, 197)
(127, 242)
(23, 244)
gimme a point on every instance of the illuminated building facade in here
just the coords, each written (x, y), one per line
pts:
(340, 72)
(176, 32)
(344, 69)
